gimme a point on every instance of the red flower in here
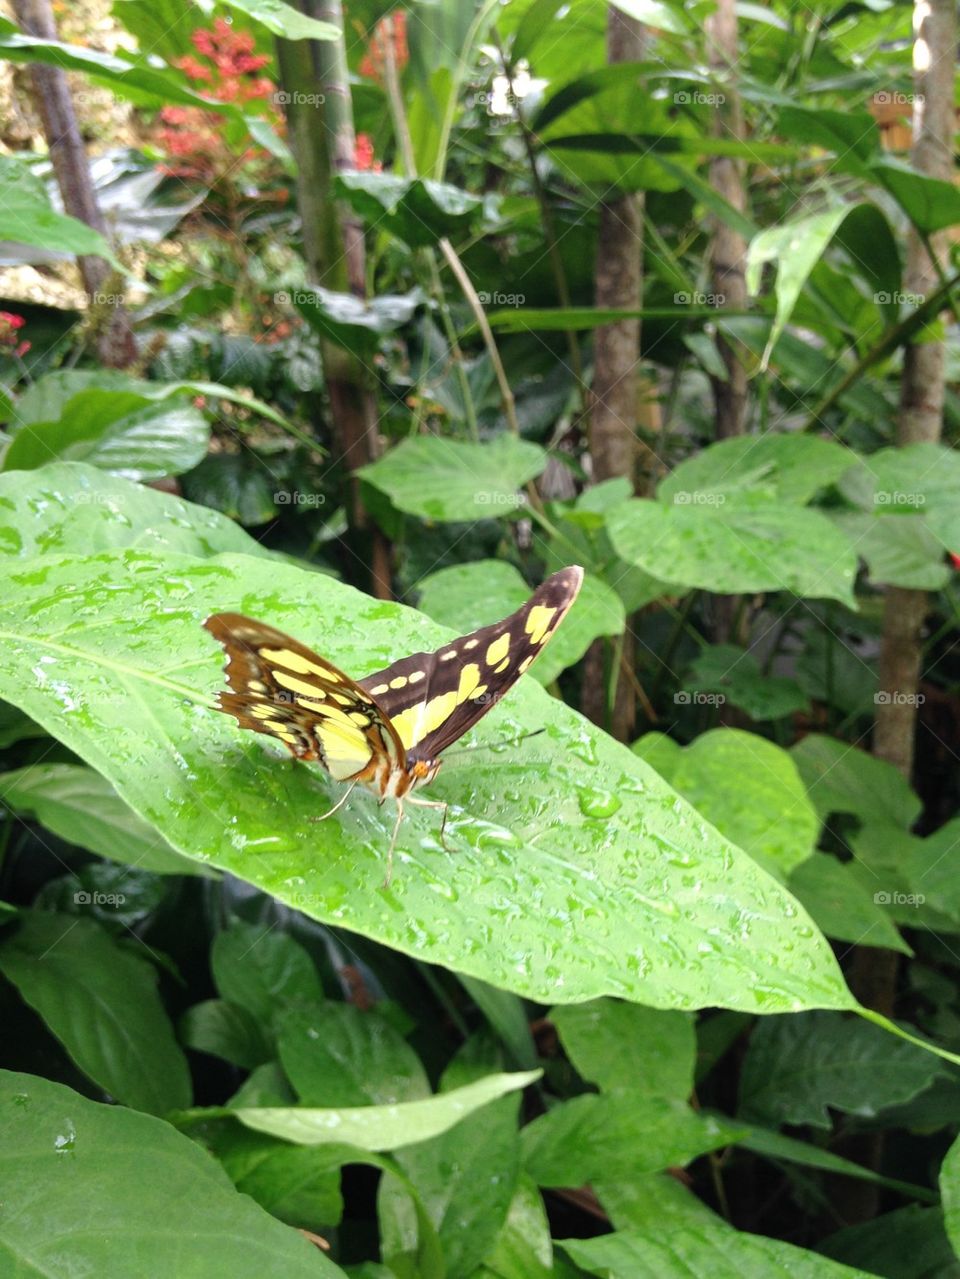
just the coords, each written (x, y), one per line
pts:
(363, 154)
(391, 30)
(955, 559)
(10, 325)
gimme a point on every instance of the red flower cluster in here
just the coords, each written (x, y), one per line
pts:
(389, 31)
(194, 137)
(10, 326)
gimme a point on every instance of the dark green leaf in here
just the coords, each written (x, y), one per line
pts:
(262, 969)
(841, 778)
(842, 905)
(735, 672)
(627, 1046)
(101, 1002)
(416, 210)
(228, 1031)
(160, 1200)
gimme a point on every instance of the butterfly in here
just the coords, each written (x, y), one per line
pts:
(388, 729)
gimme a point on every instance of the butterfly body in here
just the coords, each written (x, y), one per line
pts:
(387, 730)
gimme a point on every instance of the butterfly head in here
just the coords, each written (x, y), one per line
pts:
(423, 771)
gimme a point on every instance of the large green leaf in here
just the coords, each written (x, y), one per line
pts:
(622, 1133)
(135, 80)
(633, 894)
(386, 1127)
(101, 1002)
(263, 970)
(298, 1184)
(695, 1248)
(85, 507)
(729, 546)
(899, 550)
(336, 1055)
(440, 479)
(778, 468)
(119, 1193)
(842, 905)
(930, 203)
(841, 778)
(797, 1067)
(468, 596)
(26, 216)
(82, 807)
(909, 1241)
(123, 432)
(735, 673)
(767, 813)
(919, 479)
(618, 1045)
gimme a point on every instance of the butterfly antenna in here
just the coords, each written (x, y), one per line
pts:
(489, 746)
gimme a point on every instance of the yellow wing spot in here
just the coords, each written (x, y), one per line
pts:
(449, 655)
(399, 682)
(538, 622)
(256, 686)
(469, 680)
(301, 686)
(498, 650)
(472, 643)
(262, 712)
(358, 717)
(433, 714)
(502, 667)
(381, 688)
(479, 690)
(296, 662)
(526, 662)
(275, 726)
(289, 738)
(417, 676)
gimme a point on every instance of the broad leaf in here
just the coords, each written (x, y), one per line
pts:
(899, 550)
(84, 507)
(919, 479)
(120, 431)
(157, 1194)
(767, 813)
(228, 1031)
(263, 970)
(26, 216)
(617, 1134)
(693, 1248)
(780, 468)
(842, 905)
(82, 807)
(635, 896)
(930, 203)
(841, 778)
(284, 20)
(617, 1045)
(908, 1241)
(440, 479)
(298, 1184)
(336, 1055)
(797, 1067)
(735, 674)
(732, 546)
(101, 1002)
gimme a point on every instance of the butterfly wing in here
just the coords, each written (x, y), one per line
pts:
(281, 688)
(431, 699)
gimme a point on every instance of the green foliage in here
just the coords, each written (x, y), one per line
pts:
(547, 1048)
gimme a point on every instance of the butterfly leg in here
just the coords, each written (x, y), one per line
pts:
(435, 803)
(393, 841)
(339, 804)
